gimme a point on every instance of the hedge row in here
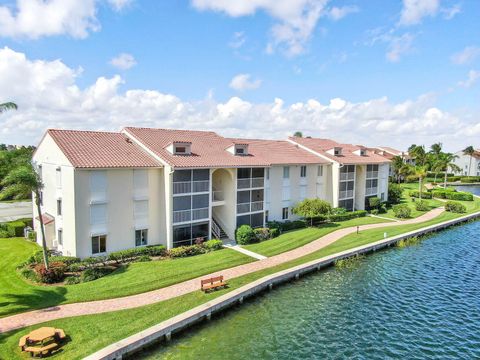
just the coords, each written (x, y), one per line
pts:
(452, 195)
(425, 194)
(14, 228)
(455, 207)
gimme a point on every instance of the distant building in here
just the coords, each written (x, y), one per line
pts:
(469, 165)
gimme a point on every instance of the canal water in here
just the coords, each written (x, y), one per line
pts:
(419, 302)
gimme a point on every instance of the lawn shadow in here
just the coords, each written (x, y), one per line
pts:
(36, 299)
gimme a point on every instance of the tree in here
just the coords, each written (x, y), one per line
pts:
(406, 170)
(311, 208)
(418, 152)
(446, 161)
(469, 150)
(421, 173)
(434, 158)
(436, 149)
(298, 134)
(8, 106)
(21, 179)
(397, 163)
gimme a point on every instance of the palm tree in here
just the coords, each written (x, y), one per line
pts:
(25, 179)
(8, 106)
(418, 152)
(421, 173)
(436, 149)
(447, 161)
(397, 163)
(434, 158)
(406, 170)
(298, 134)
(469, 150)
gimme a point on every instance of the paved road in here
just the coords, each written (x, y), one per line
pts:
(14, 211)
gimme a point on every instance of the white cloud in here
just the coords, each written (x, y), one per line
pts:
(414, 11)
(472, 78)
(297, 19)
(238, 40)
(123, 61)
(451, 12)
(48, 95)
(119, 5)
(397, 45)
(243, 82)
(37, 18)
(466, 56)
(337, 13)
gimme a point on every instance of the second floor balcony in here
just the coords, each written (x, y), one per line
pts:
(249, 207)
(190, 215)
(186, 187)
(247, 183)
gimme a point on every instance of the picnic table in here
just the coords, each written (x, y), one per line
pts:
(41, 341)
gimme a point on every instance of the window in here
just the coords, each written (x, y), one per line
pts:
(285, 213)
(258, 172)
(303, 171)
(239, 151)
(286, 172)
(180, 149)
(59, 207)
(320, 170)
(337, 151)
(58, 174)
(243, 173)
(99, 244)
(346, 204)
(60, 236)
(141, 237)
(186, 234)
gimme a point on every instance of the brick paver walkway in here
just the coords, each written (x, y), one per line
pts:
(133, 301)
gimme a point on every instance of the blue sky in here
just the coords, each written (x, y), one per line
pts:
(220, 65)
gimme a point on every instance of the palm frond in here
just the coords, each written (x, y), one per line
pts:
(8, 106)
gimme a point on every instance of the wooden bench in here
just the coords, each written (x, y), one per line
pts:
(213, 283)
(34, 350)
(23, 342)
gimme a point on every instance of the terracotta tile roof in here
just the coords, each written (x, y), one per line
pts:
(209, 149)
(391, 150)
(96, 149)
(279, 152)
(321, 146)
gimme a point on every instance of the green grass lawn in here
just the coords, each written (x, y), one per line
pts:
(92, 332)
(432, 203)
(296, 238)
(17, 295)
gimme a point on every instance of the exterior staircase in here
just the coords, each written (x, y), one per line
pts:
(217, 230)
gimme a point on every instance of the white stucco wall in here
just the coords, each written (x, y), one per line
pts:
(463, 162)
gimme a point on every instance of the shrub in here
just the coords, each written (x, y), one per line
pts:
(95, 273)
(459, 195)
(67, 260)
(287, 225)
(143, 258)
(185, 251)
(28, 273)
(416, 194)
(374, 202)
(470, 179)
(395, 192)
(213, 245)
(274, 232)
(453, 178)
(262, 234)
(76, 267)
(311, 208)
(409, 242)
(72, 280)
(6, 231)
(422, 205)
(348, 215)
(245, 235)
(53, 274)
(338, 211)
(17, 227)
(455, 207)
(374, 211)
(383, 209)
(32, 236)
(402, 211)
(156, 250)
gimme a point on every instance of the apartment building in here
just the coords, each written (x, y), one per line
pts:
(107, 191)
(469, 165)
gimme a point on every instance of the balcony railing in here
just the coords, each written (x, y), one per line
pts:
(217, 196)
(249, 207)
(248, 183)
(243, 208)
(371, 191)
(372, 174)
(347, 176)
(190, 215)
(185, 187)
(189, 241)
(257, 206)
(346, 194)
